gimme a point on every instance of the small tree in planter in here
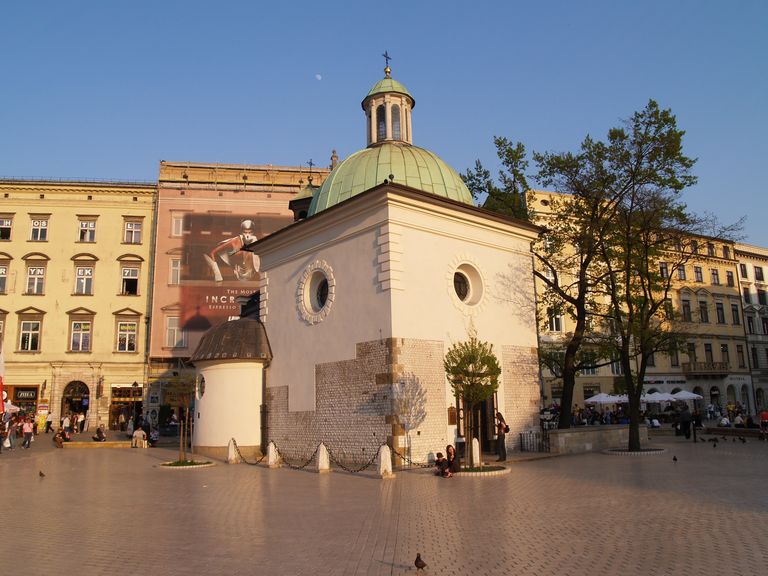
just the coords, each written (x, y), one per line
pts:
(473, 371)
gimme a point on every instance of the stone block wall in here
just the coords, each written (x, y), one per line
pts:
(356, 408)
(352, 405)
(592, 438)
(522, 396)
(391, 387)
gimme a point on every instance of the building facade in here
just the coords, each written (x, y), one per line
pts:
(752, 270)
(75, 268)
(205, 214)
(362, 300)
(707, 301)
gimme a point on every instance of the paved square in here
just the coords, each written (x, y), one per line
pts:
(113, 511)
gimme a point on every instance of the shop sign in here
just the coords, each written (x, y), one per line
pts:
(25, 394)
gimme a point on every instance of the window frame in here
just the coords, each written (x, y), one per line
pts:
(180, 335)
(6, 223)
(87, 281)
(121, 323)
(124, 267)
(39, 279)
(80, 320)
(29, 333)
(86, 234)
(133, 231)
(38, 228)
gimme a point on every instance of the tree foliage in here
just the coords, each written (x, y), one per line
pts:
(617, 215)
(508, 197)
(473, 371)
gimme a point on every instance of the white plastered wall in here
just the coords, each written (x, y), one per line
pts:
(230, 405)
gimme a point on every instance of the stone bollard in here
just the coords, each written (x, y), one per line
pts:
(323, 461)
(273, 458)
(232, 456)
(385, 462)
(476, 451)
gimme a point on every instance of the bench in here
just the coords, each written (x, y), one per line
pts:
(92, 444)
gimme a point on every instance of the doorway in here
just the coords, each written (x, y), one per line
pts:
(76, 398)
(484, 423)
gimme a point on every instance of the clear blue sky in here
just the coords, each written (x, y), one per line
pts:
(106, 89)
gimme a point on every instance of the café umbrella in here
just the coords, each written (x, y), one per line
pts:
(601, 398)
(685, 395)
(11, 408)
(658, 397)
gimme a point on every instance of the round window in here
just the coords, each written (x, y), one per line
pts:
(467, 284)
(317, 295)
(461, 286)
(316, 292)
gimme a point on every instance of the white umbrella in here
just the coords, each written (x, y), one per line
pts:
(11, 408)
(601, 398)
(685, 395)
(659, 397)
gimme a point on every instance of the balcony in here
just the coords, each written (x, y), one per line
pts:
(711, 369)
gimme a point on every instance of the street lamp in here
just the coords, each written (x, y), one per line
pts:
(135, 387)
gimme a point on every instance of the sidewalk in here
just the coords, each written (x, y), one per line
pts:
(576, 515)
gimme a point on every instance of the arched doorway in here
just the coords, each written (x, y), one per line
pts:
(76, 398)
(698, 404)
(730, 393)
(714, 396)
(745, 398)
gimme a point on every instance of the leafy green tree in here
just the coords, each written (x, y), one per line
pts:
(473, 371)
(509, 196)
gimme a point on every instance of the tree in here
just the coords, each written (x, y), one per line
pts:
(509, 197)
(473, 371)
(599, 255)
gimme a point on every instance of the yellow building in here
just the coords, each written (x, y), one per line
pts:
(706, 296)
(75, 267)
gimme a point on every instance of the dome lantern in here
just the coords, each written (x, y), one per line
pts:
(387, 109)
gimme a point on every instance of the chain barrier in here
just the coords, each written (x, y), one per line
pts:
(338, 462)
(242, 458)
(293, 466)
(333, 458)
(410, 462)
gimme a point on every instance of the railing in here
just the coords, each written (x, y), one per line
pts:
(705, 367)
(534, 441)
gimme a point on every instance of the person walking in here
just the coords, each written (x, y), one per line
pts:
(685, 419)
(501, 432)
(49, 422)
(27, 429)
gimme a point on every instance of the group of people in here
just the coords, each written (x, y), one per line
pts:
(10, 427)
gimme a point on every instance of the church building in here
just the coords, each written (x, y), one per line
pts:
(359, 304)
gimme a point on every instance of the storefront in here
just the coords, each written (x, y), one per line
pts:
(127, 403)
(25, 397)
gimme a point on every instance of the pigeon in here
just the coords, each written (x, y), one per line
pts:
(674, 458)
(714, 445)
(743, 440)
(724, 438)
(40, 473)
(733, 440)
(419, 563)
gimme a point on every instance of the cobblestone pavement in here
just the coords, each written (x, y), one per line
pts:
(114, 511)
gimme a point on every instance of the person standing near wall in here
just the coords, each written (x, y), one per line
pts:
(501, 432)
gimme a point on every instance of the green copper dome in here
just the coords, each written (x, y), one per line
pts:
(410, 165)
(386, 85)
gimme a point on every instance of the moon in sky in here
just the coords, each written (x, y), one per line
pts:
(318, 76)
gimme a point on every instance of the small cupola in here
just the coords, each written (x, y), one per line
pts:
(387, 109)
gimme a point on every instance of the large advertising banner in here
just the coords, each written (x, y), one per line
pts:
(215, 271)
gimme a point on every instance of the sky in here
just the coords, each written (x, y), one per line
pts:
(106, 90)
